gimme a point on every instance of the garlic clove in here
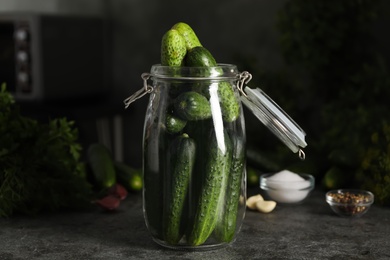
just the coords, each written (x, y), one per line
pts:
(265, 206)
(251, 201)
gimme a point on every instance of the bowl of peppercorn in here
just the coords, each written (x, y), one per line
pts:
(349, 202)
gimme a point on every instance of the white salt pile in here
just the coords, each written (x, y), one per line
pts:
(287, 180)
(287, 187)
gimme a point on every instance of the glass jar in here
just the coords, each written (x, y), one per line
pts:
(194, 157)
(194, 170)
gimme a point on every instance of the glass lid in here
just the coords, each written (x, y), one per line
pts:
(278, 121)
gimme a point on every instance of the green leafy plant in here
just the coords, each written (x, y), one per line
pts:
(340, 84)
(40, 167)
(374, 171)
(349, 81)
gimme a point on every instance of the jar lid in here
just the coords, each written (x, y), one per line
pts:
(272, 116)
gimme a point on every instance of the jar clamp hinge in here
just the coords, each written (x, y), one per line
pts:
(146, 89)
(243, 78)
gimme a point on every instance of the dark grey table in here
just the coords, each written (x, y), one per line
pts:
(306, 231)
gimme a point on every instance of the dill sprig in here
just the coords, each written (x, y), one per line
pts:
(40, 167)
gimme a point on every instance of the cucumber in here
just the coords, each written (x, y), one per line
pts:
(200, 57)
(188, 34)
(226, 224)
(102, 165)
(229, 103)
(174, 124)
(230, 106)
(215, 172)
(173, 48)
(129, 177)
(182, 154)
(192, 106)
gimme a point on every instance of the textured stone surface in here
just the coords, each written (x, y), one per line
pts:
(306, 231)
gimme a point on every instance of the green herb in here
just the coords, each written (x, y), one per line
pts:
(374, 171)
(40, 167)
(336, 70)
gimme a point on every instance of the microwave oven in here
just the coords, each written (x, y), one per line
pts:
(49, 57)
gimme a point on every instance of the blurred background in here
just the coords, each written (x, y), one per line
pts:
(325, 64)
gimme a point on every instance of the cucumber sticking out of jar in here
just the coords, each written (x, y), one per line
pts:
(188, 34)
(173, 48)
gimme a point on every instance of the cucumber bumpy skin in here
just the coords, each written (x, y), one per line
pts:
(201, 57)
(174, 124)
(188, 34)
(229, 104)
(182, 155)
(192, 106)
(226, 225)
(173, 48)
(216, 171)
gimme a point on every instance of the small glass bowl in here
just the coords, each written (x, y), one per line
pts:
(288, 192)
(349, 202)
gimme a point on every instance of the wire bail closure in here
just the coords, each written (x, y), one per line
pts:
(243, 78)
(141, 92)
(301, 154)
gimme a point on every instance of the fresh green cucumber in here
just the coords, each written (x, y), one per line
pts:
(229, 102)
(214, 176)
(102, 165)
(188, 34)
(226, 224)
(129, 177)
(174, 124)
(192, 106)
(182, 155)
(201, 57)
(173, 48)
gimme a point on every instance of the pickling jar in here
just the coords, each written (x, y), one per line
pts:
(194, 163)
